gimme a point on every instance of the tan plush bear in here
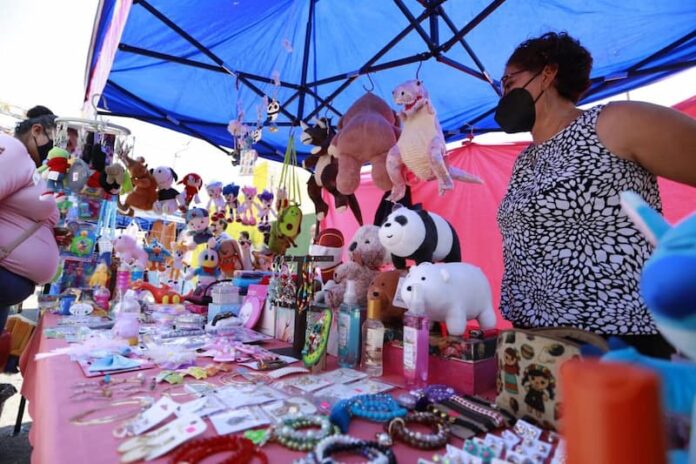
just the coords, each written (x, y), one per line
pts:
(383, 288)
(366, 133)
(366, 255)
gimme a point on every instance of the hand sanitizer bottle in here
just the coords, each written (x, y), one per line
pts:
(373, 340)
(349, 317)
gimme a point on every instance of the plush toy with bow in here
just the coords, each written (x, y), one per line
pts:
(208, 270)
(192, 183)
(167, 197)
(421, 146)
(325, 169)
(215, 193)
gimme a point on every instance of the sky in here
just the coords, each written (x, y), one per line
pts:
(42, 61)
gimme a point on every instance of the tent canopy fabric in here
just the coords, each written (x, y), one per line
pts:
(188, 66)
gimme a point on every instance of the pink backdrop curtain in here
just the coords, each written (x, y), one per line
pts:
(472, 208)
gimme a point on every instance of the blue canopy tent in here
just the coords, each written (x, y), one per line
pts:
(186, 65)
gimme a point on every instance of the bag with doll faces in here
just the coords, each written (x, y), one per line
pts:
(529, 363)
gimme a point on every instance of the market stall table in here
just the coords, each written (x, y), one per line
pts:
(47, 387)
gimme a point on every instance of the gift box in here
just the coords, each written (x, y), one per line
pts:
(225, 293)
(215, 308)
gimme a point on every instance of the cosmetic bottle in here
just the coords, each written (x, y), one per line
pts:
(349, 319)
(416, 347)
(372, 340)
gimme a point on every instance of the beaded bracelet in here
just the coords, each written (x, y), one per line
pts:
(379, 407)
(243, 450)
(288, 432)
(497, 419)
(375, 453)
(445, 416)
(436, 393)
(396, 428)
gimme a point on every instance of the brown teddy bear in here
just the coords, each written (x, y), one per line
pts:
(366, 255)
(366, 133)
(383, 288)
(144, 192)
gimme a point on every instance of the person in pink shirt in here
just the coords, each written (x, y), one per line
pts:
(28, 250)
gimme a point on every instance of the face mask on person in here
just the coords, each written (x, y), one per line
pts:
(42, 150)
(516, 111)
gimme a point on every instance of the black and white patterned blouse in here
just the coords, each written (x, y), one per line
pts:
(572, 257)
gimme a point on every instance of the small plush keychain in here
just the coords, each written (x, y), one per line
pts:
(192, 183)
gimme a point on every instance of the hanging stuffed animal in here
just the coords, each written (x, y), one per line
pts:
(421, 146)
(215, 193)
(208, 271)
(167, 196)
(157, 255)
(57, 165)
(112, 179)
(198, 222)
(192, 183)
(179, 250)
(246, 209)
(265, 209)
(231, 194)
(230, 258)
(218, 225)
(144, 192)
(129, 252)
(366, 133)
(325, 170)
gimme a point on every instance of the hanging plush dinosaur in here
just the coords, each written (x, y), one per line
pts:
(325, 169)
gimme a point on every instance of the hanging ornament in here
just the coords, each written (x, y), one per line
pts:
(248, 158)
(285, 43)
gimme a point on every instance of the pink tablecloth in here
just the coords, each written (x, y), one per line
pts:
(47, 387)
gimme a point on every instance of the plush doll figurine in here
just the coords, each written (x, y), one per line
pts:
(192, 183)
(179, 250)
(198, 222)
(112, 179)
(57, 165)
(246, 209)
(420, 236)
(129, 252)
(366, 133)
(230, 258)
(329, 242)
(421, 146)
(451, 293)
(265, 208)
(166, 195)
(157, 255)
(215, 193)
(218, 225)
(325, 169)
(144, 192)
(231, 194)
(383, 288)
(668, 281)
(263, 259)
(208, 270)
(245, 245)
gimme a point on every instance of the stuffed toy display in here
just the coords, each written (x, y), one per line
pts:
(449, 292)
(230, 255)
(214, 190)
(57, 164)
(419, 235)
(366, 255)
(208, 270)
(192, 183)
(129, 252)
(246, 209)
(421, 146)
(167, 196)
(198, 223)
(329, 242)
(265, 209)
(112, 179)
(231, 194)
(179, 250)
(245, 245)
(383, 288)
(157, 255)
(668, 281)
(366, 133)
(218, 225)
(325, 169)
(144, 193)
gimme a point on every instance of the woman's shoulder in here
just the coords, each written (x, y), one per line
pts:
(14, 153)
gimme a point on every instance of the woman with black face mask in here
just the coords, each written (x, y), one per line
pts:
(571, 256)
(28, 250)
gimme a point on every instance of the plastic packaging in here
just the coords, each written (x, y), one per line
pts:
(349, 318)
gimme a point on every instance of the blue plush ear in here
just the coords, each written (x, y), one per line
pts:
(646, 219)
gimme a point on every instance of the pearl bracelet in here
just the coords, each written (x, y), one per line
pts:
(375, 453)
(288, 432)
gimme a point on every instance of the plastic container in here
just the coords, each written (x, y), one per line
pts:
(350, 316)
(372, 341)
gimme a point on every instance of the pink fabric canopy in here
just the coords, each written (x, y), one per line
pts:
(472, 208)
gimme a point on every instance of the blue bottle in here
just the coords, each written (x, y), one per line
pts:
(349, 328)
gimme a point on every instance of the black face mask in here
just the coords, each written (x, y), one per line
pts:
(43, 150)
(516, 111)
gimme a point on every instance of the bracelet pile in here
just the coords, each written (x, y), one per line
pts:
(396, 428)
(242, 449)
(373, 452)
(288, 432)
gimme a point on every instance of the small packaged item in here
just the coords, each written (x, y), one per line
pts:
(225, 293)
(189, 322)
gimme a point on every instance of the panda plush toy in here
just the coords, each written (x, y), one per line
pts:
(419, 235)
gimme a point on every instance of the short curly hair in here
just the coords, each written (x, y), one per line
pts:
(573, 60)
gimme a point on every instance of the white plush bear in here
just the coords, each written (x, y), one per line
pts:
(449, 292)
